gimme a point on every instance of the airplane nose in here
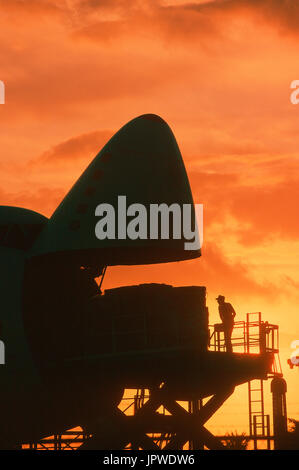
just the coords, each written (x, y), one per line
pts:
(140, 165)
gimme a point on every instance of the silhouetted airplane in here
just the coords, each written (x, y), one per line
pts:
(69, 353)
(41, 277)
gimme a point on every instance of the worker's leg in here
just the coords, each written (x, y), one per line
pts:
(228, 329)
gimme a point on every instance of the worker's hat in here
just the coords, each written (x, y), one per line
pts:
(220, 297)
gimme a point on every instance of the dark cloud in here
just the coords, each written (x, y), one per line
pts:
(34, 7)
(285, 13)
(183, 21)
(93, 18)
(82, 147)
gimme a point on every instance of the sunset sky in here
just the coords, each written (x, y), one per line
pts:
(219, 72)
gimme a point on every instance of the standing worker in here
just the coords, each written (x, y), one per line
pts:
(227, 315)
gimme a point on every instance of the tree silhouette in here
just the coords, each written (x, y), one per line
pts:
(235, 441)
(292, 438)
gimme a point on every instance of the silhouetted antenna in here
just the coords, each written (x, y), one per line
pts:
(102, 278)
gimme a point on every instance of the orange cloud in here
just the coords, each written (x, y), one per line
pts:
(218, 72)
(81, 147)
(213, 270)
(29, 7)
(42, 200)
(267, 210)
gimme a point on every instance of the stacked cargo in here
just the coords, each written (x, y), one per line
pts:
(150, 316)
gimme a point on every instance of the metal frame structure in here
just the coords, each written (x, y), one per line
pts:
(153, 419)
(254, 336)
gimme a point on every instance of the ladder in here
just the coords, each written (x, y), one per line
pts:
(261, 338)
(259, 422)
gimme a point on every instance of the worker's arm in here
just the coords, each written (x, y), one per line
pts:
(232, 310)
(221, 315)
